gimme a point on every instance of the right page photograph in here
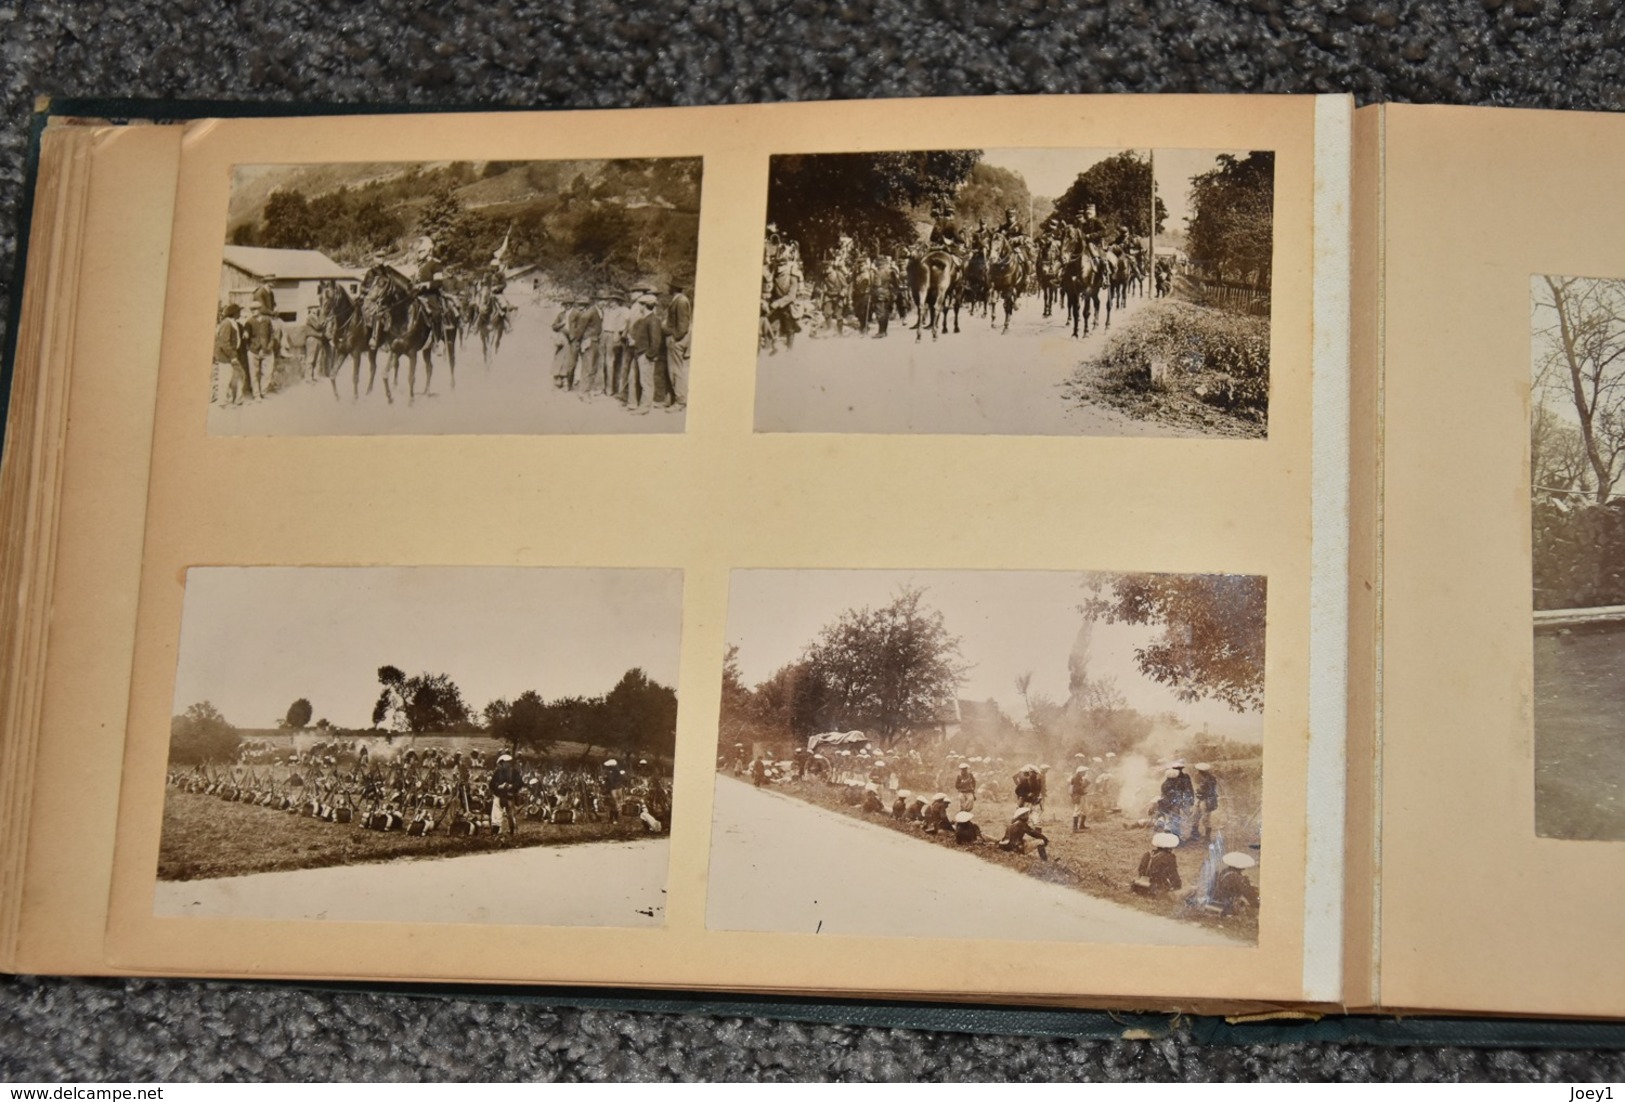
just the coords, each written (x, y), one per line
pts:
(1500, 401)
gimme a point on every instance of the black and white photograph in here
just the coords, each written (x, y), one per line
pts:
(1577, 514)
(423, 744)
(469, 297)
(1062, 292)
(1044, 756)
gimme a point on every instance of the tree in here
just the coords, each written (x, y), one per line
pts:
(299, 713)
(527, 722)
(1558, 463)
(1212, 643)
(1579, 365)
(987, 193)
(287, 222)
(420, 704)
(641, 714)
(1231, 228)
(1120, 189)
(872, 197)
(886, 670)
(201, 734)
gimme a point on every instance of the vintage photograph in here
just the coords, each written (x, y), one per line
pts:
(986, 754)
(1093, 292)
(456, 297)
(1577, 514)
(423, 744)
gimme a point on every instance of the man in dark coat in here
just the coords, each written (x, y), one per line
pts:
(1159, 870)
(506, 780)
(1207, 801)
(1232, 891)
(1019, 830)
(966, 832)
(647, 341)
(965, 785)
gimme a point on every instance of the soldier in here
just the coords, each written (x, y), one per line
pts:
(944, 229)
(781, 318)
(646, 341)
(900, 805)
(262, 348)
(563, 347)
(884, 292)
(1080, 798)
(966, 832)
(505, 784)
(1093, 230)
(264, 299)
(678, 326)
(935, 815)
(589, 356)
(872, 802)
(835, 297)
(1020, 829)
(758, 772)
(965, 785)
(228, 340)
(1232, 891)
(1159, 871)
(1029, 787)
(1207, 801)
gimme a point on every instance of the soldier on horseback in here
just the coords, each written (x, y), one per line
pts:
(945, 229)
(1093, 230)
(428, 284)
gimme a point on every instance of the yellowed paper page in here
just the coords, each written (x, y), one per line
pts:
(1490, 900)
(726, 495)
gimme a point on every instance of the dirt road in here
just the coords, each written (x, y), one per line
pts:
(779, 864)
(592, 884)
(979, 380)
(513, 394)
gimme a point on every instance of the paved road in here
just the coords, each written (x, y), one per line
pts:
(980, 380)
(780, 864)
(592, 884)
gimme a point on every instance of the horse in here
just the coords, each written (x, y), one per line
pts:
(1119, 271)
(1047, 272)
(489, 315)
(347, 337)
(407, 323)
(1081, 278)
(977, 290)
(1007, 275)
(933, 283)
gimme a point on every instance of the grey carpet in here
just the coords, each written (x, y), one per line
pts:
(604, 53)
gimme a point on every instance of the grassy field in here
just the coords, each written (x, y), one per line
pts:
(1100, 861)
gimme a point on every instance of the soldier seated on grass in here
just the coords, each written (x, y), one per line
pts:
(935, 816)
(1159, 871)
(1020, 829)
(966, 832)
(871, 799)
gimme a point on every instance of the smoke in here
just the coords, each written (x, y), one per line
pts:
(1138, 785)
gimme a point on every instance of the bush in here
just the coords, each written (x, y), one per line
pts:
(1579, 554)
(1219, 357)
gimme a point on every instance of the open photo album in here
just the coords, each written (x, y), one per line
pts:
(1142, 552)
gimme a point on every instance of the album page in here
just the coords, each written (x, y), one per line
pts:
(1502, 838)
(875, 548)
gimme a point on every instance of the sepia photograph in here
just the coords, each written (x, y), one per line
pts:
(1042, 756)
(1088, 292)
(471, 297)
(1577, 521)
(423, 744)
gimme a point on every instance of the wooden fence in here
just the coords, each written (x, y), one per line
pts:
(1230, 296)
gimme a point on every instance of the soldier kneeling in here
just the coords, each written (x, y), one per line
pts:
(1019, 830)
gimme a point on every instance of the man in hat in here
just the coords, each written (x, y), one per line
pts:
(575, 331)
(965, 785)
(1232, 891)
(966, 830)
(647, 340)
(228, 342)
(1159, 870)
(1020, 829)
(589, 356)
(617, 320)
(935, 815)
(872, 802)
(758, 772)
(678, 325)
(262, 345)
(1093, 230)
(1079, 790)
(884, 292)
(1207, 801)
(264, 299)
(1029, 787)
(899, 806)
(506, 780)
(564, 349)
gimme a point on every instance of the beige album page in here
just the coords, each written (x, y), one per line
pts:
(598, 547)
(1501, 815)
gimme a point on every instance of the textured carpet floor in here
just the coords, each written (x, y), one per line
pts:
(606, 53)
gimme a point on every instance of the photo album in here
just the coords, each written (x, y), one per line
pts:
(1156, 553)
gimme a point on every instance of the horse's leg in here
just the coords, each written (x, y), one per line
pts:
(451, 363)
